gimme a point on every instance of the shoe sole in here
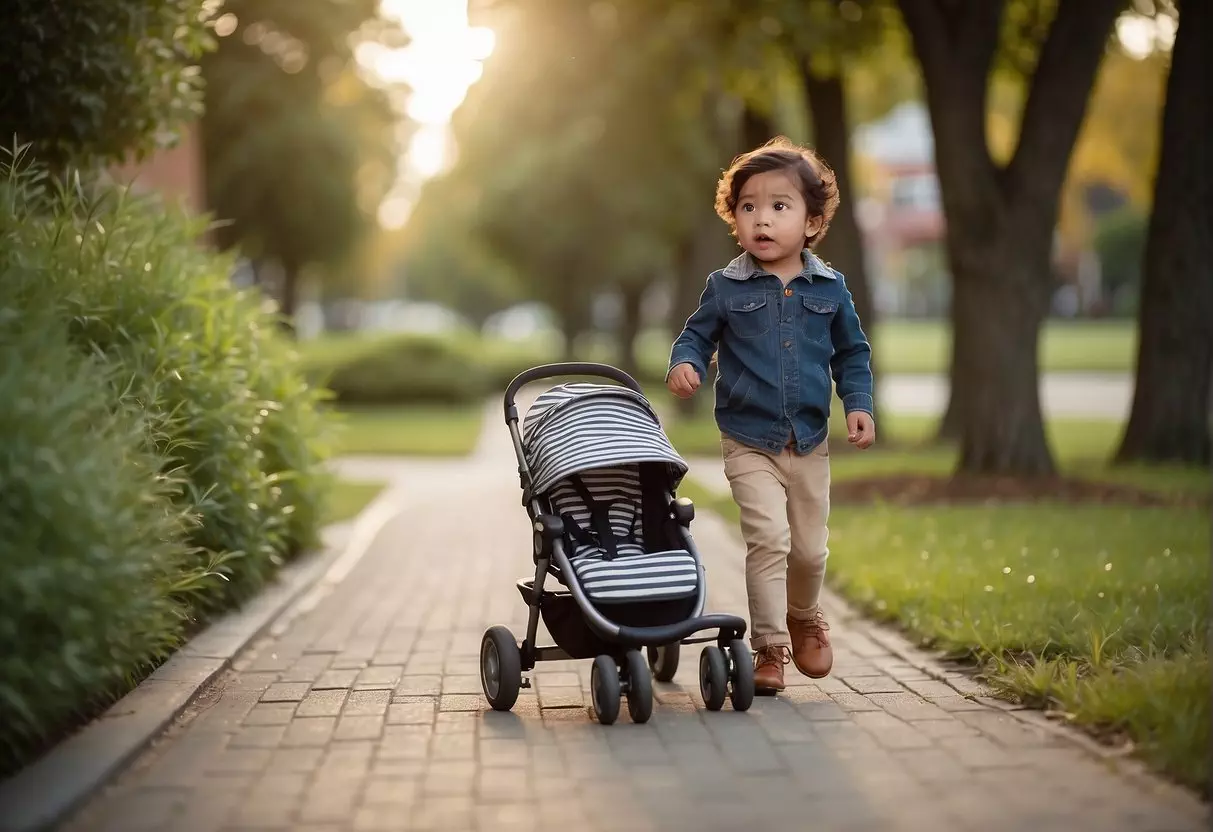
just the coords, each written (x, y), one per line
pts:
(804, 672)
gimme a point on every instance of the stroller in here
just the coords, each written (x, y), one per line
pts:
(598, 481)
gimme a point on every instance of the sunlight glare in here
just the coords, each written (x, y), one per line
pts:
(427, 150)
(1141, 36)
(442, 60)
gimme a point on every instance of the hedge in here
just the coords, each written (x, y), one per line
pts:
(162, 454)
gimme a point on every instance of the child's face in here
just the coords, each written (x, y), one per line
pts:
(772, 218)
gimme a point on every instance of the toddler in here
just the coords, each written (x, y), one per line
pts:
(780, 322)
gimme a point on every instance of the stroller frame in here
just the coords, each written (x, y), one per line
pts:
(726, 667)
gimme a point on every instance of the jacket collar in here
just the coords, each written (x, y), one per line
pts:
(744, 266)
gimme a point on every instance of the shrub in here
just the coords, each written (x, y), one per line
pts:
(162, 455)
(92, 549)
(205, 362)
(410, 369)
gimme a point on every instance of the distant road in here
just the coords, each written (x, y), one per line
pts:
(1089, 395)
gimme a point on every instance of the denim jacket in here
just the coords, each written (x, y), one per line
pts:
(777, 350)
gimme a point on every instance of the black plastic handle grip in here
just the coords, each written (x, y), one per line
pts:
(568, 368)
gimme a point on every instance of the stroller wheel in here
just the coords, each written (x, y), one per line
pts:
(640, 688)
(741, 675)
(713, 677)
(500, 668)
(605, 689)
(663, 661)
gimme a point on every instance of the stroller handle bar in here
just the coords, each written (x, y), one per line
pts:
(568, 368)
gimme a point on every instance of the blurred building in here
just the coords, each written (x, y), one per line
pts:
(901, 214)
(175, 173)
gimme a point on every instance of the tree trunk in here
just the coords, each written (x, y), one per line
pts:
(1169, 419)
(843, 244)
(997, 365)
(1000, 219)
(756, 129)
(632, 295)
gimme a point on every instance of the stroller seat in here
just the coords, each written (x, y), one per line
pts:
(602, 511)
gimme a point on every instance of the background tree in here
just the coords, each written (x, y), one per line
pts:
(91, 81)
(299, 147)
(1001, 216)
(1169, 420)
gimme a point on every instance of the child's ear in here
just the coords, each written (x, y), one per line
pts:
(813, 225)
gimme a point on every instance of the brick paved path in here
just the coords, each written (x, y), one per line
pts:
(365, 713)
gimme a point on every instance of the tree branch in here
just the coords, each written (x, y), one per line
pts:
(1058, 95)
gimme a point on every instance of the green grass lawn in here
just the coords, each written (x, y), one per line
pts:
(347, 499)
(1100, 612)
(900, 347)
(409, 430)
(1092, 346)
(1081, 448)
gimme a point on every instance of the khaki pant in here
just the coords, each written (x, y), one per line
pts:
(784, 501)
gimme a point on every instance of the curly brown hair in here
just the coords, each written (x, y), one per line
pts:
(814, 178)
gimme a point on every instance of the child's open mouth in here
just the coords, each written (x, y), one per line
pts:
(763, 238)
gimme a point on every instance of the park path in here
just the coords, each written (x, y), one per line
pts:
(1076, 395)
(361, 710)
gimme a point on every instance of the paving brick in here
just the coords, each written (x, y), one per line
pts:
(285, 692)
(424, 685)
(462, 702)
(333, 679)
(322, 703)
(873, 684)
(419, 711)
(270, 713)
(367, 703)
(891, 732)
(854, 702)
(384, 677)
(258, 736)
(309, 731)
(307, 668)
(909, 707)
(358, 727)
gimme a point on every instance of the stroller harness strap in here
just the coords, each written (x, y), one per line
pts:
(600, 519)
(634, 570)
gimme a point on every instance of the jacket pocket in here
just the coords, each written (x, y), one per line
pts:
(749, 316)
(820, 314)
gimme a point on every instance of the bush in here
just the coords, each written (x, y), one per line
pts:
(92, 548)
(173, 467)
(417, 369)
(409, 369)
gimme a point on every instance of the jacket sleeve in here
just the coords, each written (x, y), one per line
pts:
(697, 342)
(851, 363)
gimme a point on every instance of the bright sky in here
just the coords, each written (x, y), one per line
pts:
(442, 61)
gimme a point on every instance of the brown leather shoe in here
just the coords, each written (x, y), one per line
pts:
(768, 668)
(811, 649)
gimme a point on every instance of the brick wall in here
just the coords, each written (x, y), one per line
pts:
(175, 172)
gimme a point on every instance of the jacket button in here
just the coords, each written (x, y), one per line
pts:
(787, 293)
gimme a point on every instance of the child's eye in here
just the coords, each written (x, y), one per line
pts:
(749, 206)
(779, 206)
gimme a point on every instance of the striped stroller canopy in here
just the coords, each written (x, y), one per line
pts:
(578, 426)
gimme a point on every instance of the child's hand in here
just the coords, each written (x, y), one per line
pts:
(684, 381)
(861, 429)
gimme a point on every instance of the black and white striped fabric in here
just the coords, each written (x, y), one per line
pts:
(632, 574)
(579, 426)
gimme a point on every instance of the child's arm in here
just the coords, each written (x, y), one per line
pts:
(699, 337)
(851, 362)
